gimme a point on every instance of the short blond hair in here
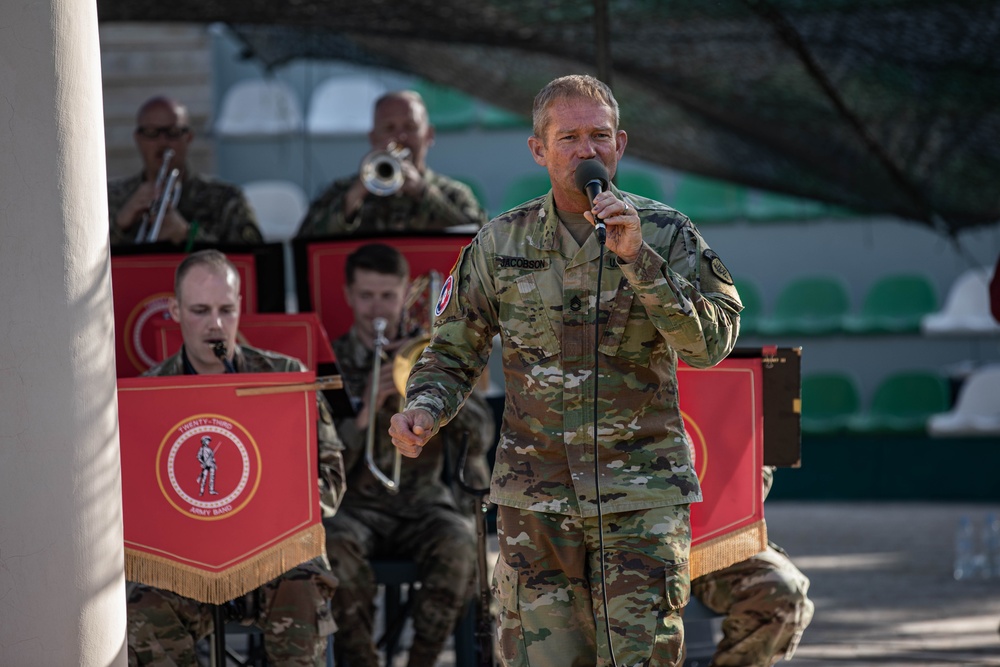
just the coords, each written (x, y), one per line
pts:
(211, 259)
(570, 86)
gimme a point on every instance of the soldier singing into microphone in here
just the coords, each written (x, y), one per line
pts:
(581, 323)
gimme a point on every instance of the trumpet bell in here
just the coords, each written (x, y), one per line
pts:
(382, 170)
(404, 360)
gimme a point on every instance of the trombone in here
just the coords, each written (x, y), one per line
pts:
(390, 483)
(402, 363)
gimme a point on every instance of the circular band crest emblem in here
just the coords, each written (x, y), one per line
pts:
(139, 333)
(208, 467)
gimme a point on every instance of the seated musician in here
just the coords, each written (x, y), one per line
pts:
(764, 601)
(410, 197)
(423, 521)
(293, 609)
(197, 208)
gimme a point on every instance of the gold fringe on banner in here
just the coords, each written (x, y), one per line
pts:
(220, 587)
(728, 549)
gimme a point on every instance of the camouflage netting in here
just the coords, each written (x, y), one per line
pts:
(882, 106)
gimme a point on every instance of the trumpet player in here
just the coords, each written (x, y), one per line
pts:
(394, 190)
(196, 209)
(423, 520)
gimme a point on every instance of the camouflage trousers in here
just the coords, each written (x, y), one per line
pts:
(548, 583)
(442, 542)
(292, 610)
(766, 608)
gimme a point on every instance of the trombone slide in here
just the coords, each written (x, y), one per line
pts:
(390, 483)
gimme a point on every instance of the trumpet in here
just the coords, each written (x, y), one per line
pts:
(390, 483)
(382, 170)
(169, 194)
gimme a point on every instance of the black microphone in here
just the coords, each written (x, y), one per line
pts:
(592, 179)
(219, 349)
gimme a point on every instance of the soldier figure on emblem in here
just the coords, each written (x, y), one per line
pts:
(206, 457)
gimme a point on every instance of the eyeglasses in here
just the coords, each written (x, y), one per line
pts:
(169, 131)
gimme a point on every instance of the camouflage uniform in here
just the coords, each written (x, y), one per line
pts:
(292, 610)
(218, 212)
(526, 278)
(765, 604)
(446, 203)
(423, 522)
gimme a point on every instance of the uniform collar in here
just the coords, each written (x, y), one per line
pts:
(547, 236)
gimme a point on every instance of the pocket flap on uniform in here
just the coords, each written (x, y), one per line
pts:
(505, 584)
(677, 583)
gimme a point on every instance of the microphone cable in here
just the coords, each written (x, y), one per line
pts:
(597, 471)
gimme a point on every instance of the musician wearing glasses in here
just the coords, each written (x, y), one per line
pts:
(168, 202)
(293, 609)
(394, 189)
(422, 520)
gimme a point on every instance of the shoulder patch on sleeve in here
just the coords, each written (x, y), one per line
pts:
(445, 297)
(718, 268)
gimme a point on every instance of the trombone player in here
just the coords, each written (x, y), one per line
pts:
(143, 209)
(423, 521)
(394, 190)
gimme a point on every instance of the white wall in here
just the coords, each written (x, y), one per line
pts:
(62, 585)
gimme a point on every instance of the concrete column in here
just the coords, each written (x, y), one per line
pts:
(62, 588)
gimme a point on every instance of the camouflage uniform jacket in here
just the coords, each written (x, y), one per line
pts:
(525, 278)
(446, 203)
(421, 482)
(331, 464)
(217, 211)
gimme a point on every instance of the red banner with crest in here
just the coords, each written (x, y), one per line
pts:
(723, 413)
(299, 335)
(141, 287)
(219, 491)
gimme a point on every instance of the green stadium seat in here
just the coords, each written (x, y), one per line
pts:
(477, 190)
(448, 108)
(706, 200)
(903, 403)
(829, 400)
(894, 304)
(753, 307)
(639, 182)
(525, 187)
(772, 207)
(494, 118)
(809, 306)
